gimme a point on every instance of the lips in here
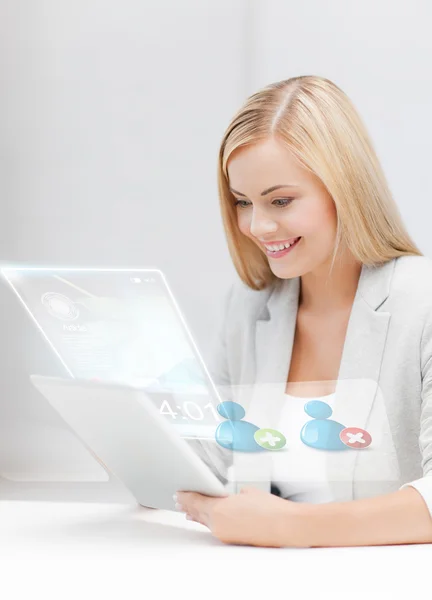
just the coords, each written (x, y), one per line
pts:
(279, 242)
(279, 246)
(284, 251)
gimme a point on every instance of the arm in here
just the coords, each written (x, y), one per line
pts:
(401, 517)
(257, 518)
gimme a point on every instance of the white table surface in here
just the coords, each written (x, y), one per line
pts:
(92, 550)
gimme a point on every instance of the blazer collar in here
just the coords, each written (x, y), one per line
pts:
(359, 372)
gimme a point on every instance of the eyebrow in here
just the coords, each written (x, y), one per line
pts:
(270, 189)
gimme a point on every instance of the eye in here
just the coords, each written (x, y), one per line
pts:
(283, 201)
(241, 203)
(286, 202)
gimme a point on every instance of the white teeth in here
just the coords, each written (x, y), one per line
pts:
(278, 247)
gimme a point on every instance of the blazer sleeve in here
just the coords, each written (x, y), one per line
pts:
(217, 458)
(424, 484)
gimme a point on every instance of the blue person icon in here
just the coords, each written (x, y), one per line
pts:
(321, 432)
(234, 433)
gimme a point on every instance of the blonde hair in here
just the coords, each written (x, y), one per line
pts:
(318, 123)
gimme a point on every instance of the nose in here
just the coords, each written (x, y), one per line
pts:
(261, 224)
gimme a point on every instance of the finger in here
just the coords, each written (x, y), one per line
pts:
(194, 500)
(197, 505)
(190, 518)
(183, 509)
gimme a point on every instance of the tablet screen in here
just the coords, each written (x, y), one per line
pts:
(122, 326)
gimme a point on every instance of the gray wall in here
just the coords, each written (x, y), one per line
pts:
(111, 114)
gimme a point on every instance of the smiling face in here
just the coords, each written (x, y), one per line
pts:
(300, 207)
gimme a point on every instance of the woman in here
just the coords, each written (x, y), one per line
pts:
(332, 291)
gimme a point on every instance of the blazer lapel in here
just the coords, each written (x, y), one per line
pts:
(359, 369)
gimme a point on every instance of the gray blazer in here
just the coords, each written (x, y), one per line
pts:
(385, 378)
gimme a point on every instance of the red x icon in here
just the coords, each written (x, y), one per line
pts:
(354, 437)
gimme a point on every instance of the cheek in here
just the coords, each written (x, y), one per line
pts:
(243, 222)
(329, 221)
(318, 219)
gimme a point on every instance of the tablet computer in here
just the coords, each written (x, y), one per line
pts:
(125, 431)
(122, 326)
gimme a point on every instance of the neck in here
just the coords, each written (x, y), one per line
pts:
(322, 291)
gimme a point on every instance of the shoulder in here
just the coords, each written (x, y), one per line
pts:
(412, 279)
(410, 297)
(416, 269)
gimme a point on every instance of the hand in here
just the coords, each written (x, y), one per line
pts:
(252, 517)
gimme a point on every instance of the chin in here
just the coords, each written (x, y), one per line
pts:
(287, 272)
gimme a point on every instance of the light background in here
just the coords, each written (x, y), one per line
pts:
(111, 114)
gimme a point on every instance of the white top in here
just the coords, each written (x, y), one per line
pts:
(299, 470)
